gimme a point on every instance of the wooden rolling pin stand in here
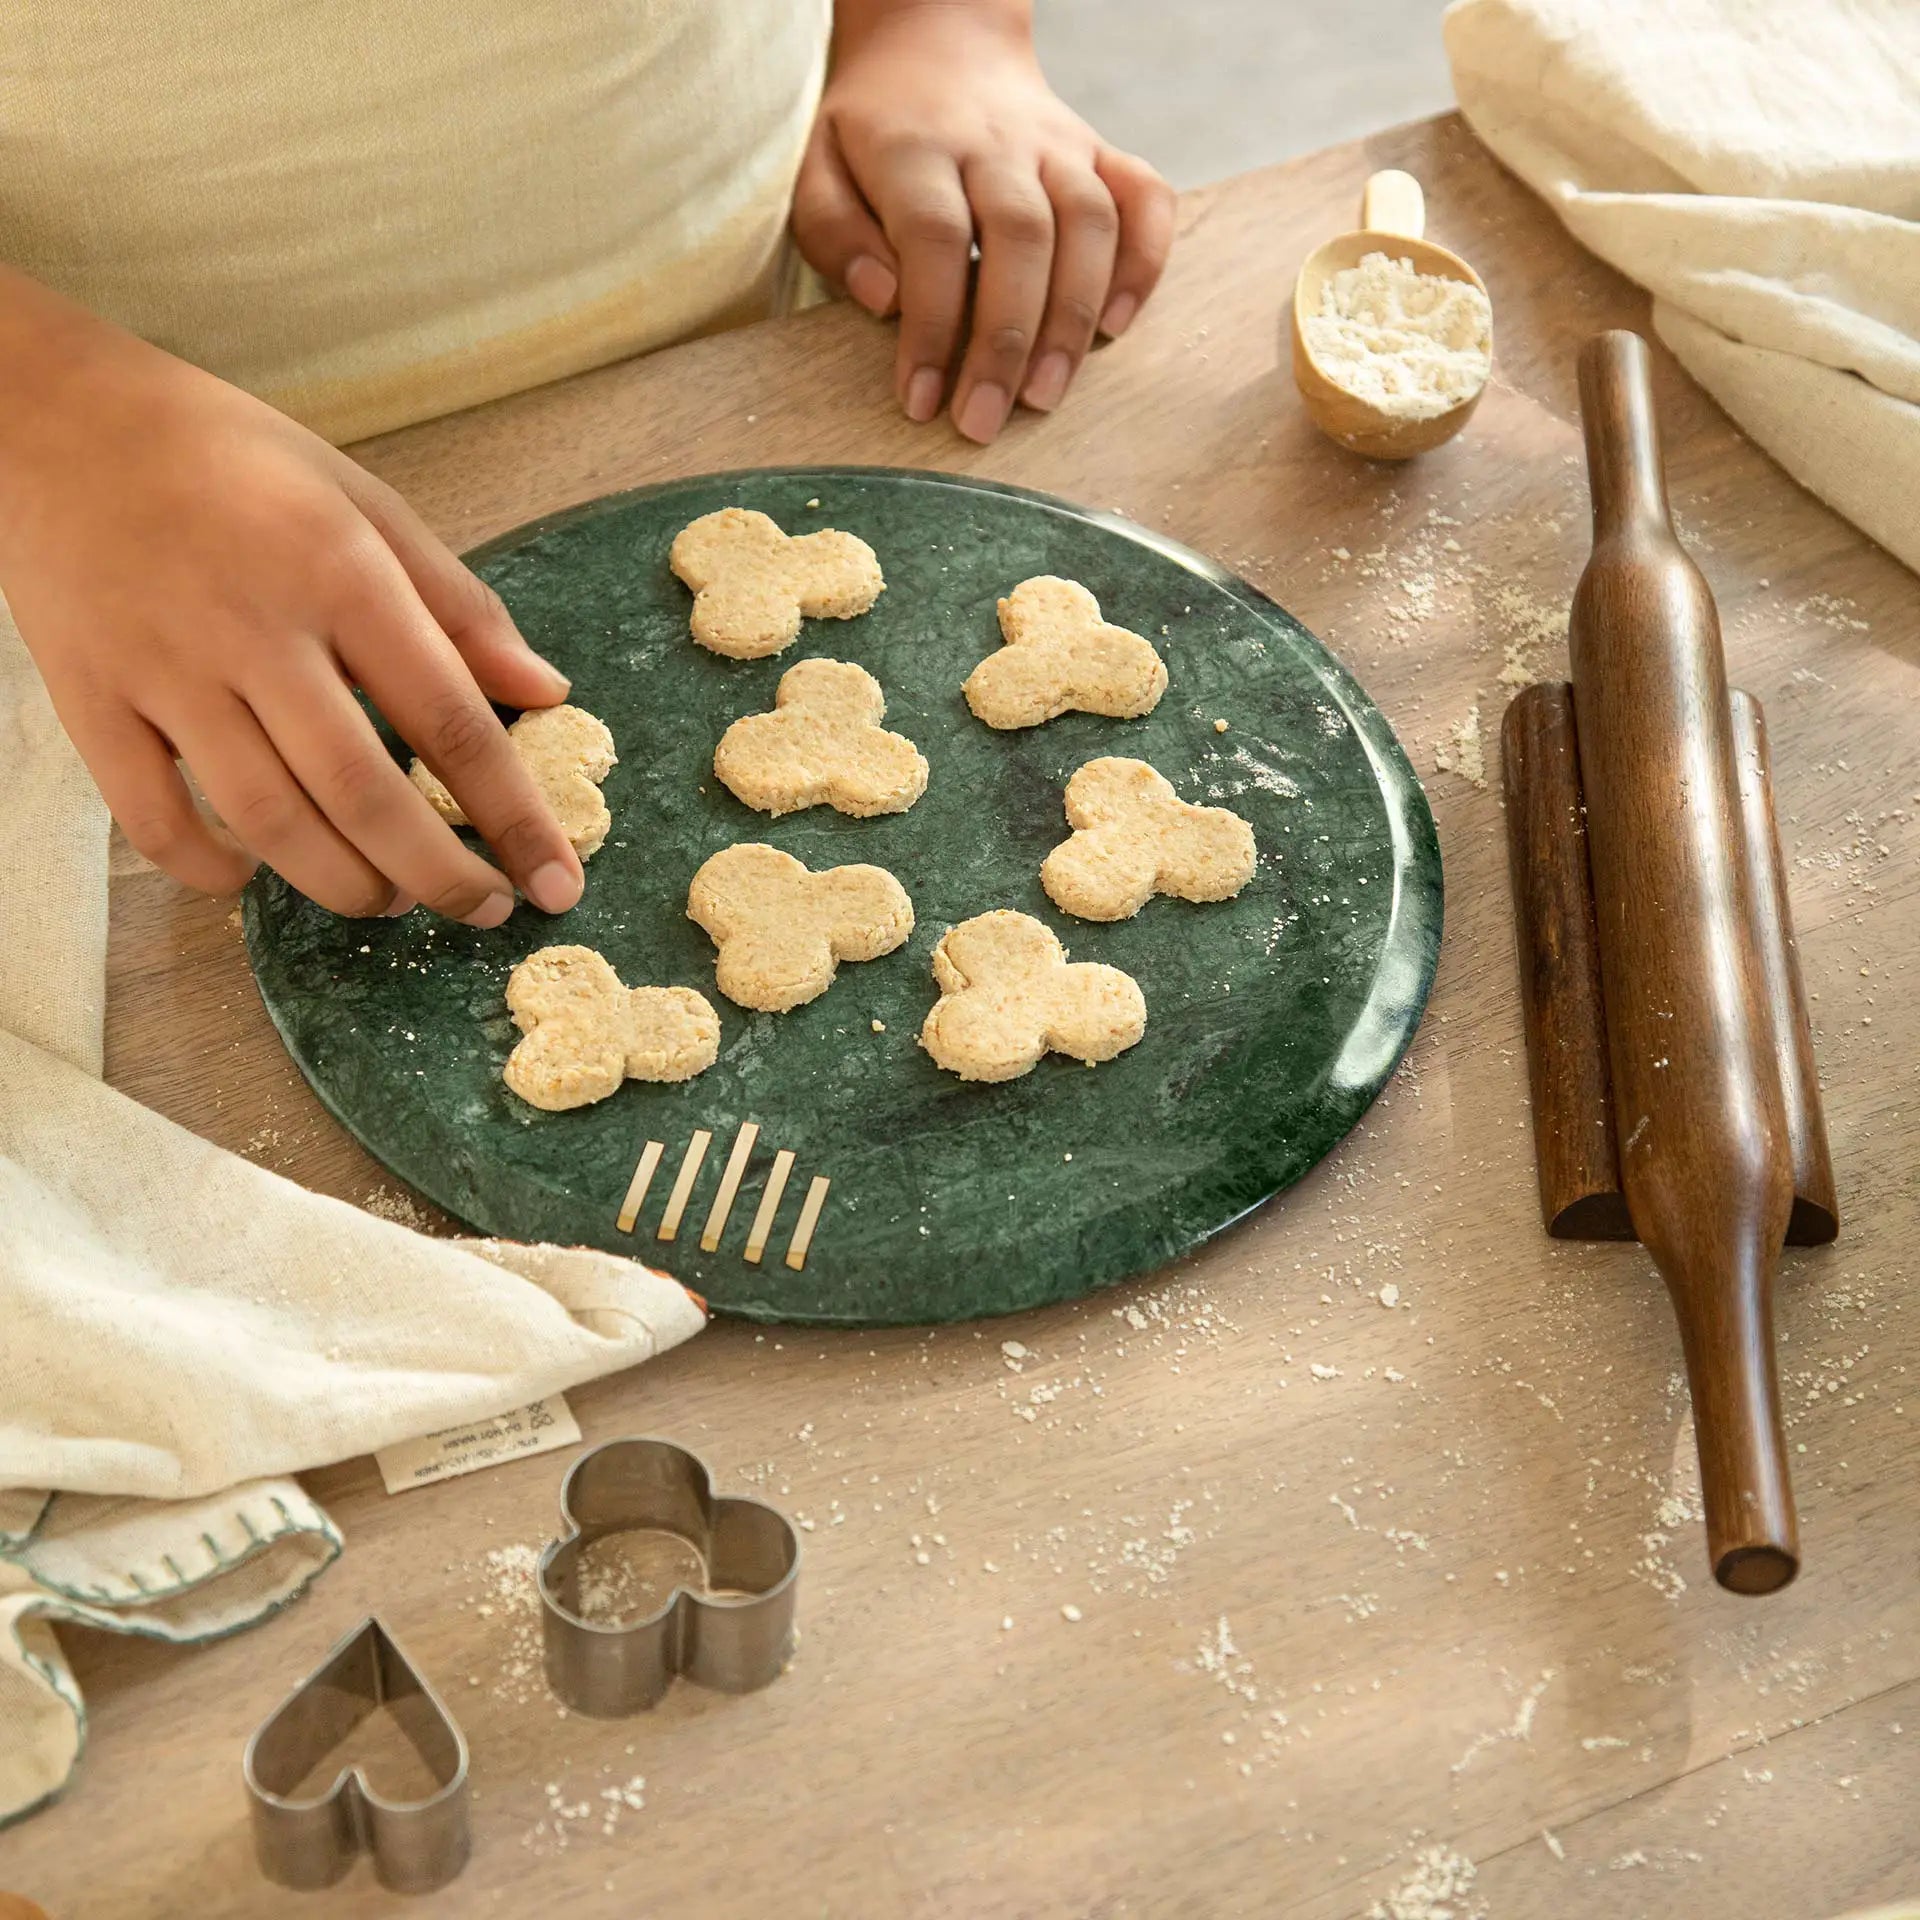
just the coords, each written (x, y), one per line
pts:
(1674, 1090)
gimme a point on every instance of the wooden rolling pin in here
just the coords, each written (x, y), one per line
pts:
(1706, 1160)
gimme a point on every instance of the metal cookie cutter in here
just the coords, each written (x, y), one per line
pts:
(735, 1636)
(415, 1845)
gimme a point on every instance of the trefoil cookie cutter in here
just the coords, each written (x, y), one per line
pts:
(735, 1636)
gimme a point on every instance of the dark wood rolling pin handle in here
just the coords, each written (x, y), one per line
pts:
(1705, 1155)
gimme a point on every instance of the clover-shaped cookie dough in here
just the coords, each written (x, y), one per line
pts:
(1008, 995)
(1134, 837)
(823, 741)
(1061, 657)
(781, 930)
(569, 753)
(586, 1033)
(751, 582)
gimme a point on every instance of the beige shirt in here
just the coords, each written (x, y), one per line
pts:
(370, 212)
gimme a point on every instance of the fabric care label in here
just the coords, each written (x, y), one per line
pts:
(540, 1428)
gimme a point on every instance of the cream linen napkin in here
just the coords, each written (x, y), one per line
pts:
(1755, 164)
(179, 1328)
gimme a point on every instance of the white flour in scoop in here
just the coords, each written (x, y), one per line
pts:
(1411, 344)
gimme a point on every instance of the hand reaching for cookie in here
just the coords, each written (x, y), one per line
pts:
(202, 581)
(938, 129)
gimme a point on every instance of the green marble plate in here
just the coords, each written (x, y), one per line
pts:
(1274, 1019)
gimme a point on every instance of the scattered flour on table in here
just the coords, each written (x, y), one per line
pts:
(1142, 1559)
(1529, 626)
(1439, 1888)
(1262, 1730)
(1833, 611)
(1462, 752)
(1411, 344)
(508, 1594)
(1219, 1658)
(1426, 576)
(1520, 1727)
(1660, 1860)
(389, 1203)
(596, 1810)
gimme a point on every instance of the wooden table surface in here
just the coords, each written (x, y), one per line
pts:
(1354, 1579)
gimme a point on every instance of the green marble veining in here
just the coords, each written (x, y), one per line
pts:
(1273, 1021)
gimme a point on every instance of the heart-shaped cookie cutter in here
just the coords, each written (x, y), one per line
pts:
(735, 1636)
(415, 1845)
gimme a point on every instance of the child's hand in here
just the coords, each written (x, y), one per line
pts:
(200, 579)
(937, 128)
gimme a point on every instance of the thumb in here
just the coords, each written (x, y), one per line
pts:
(467, 610)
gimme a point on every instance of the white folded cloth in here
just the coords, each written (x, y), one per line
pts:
(1755, 164)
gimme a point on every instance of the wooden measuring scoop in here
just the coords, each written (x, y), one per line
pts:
(1393, 216)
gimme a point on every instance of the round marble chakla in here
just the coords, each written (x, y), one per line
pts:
(1273, 1019)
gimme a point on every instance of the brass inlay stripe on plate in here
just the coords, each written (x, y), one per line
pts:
(683, 1183)
(809, 1219)
(638, 1185)
(729, 1186)
(769, 1206)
